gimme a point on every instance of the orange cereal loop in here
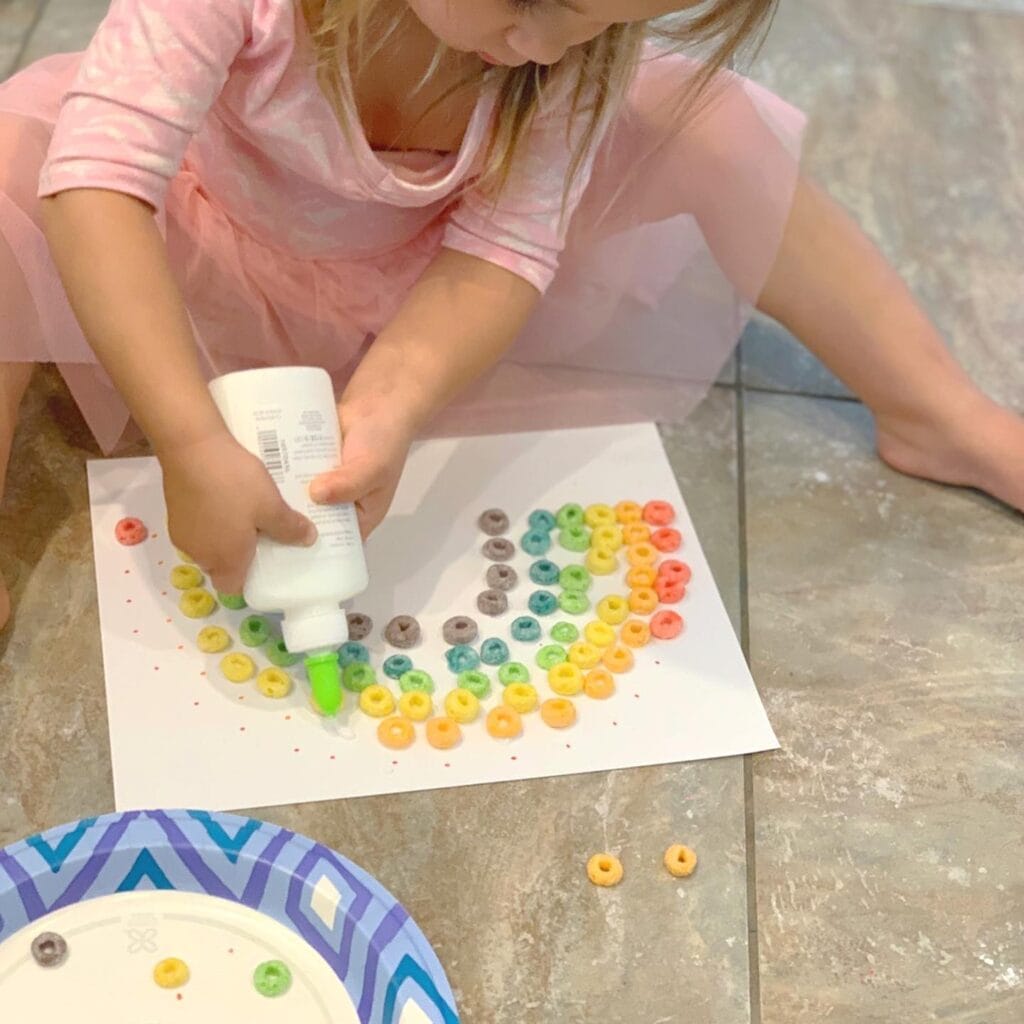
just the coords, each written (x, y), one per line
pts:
(659, 513)
(605, 870)
(396, 733)
(628, 512)
(667, 539)
(635, 533)
(635, 633)
(565, 679)
(618, 658)
(643, 600)
(680, 860)
(609, 536)
(504, 723)
(669, 591)
(613, 610)
(599, 515)
(666, 625)
(641, 576)
(642, 553)
(443, 733)
(599, 684)
(558, 713)
(601, 561)
(599, 633)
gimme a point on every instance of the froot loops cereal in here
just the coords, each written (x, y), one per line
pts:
(396, 733)
(604, 870)
(504, 723)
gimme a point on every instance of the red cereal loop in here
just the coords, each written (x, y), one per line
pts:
(130, 531)
(669, 591)
(666, 625)
(666, 538)
(678, 572)
(659, 513)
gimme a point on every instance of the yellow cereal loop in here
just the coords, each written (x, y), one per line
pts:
(416, 705)
(629, 512)
(521, 697)
(197, 603)
(213, 640)
(237, 668)
(600, 634)
(605, 870)
(274, 683)
(635, 633)
(613, 610)
(606, 537)
(185, 577)
(171, 973)
(601, 561)
(599, 515)
(680, 860)
(377, 701)
(462, 706)
(584, 655)
(565, 679)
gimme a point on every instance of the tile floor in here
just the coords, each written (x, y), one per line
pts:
(870, 871)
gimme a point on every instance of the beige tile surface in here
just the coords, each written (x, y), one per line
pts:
(886, 636)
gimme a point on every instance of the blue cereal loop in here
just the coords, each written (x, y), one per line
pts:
(536, 542)
(542, 602)
(542, 519)
(494, 652)
(397, 665)
(351, 652)
(461, 658)
(544, 572)
(525, 629)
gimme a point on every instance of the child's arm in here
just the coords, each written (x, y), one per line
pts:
(114, 266)
(456, 322)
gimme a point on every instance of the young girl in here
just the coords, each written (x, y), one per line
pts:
(537, 210)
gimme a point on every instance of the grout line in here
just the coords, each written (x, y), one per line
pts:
(753, 943)
(758, 389)
(27, 37)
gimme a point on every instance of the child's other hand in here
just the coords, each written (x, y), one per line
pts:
(374, 449)
(219, 496)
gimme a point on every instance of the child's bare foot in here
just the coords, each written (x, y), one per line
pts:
(980, 447)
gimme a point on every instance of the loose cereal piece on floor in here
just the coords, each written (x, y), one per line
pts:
(502, 577)
(499, 549)
(360, 626)
(403, 632)
(460, 630)
(494, 522)
(604, 870)
(680, 860)
(130, 531)
(492, 602)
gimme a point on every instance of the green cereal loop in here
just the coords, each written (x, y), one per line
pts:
(575, 577)
(542, 602)
(351, 652)
(564, 633)
(551, 655)
(575, 538)
(536, 542)
(397, 665)
(542, 519)
(513, 672)
(416, 680)
(570, 515)
(476, 682)
(357, 676)
(279, 655)
(272, 979)
(544, 572)
(573, 602)
(254, 631)
(233, 601)
(525, 629)
(461, 658)
(494, 652)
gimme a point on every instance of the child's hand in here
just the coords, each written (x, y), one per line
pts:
(219, 496)
(374, 450)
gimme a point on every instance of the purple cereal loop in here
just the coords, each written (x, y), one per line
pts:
(492, 602)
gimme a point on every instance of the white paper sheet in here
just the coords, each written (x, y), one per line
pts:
(182, 736)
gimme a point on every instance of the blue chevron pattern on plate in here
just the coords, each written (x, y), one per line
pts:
(360, 930)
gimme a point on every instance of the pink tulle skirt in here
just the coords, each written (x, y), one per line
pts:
(665, 260)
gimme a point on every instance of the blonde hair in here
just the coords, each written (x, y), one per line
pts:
(604, 67)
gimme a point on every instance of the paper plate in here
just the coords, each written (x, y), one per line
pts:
(222, 894)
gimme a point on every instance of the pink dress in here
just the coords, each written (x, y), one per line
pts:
(292, 246)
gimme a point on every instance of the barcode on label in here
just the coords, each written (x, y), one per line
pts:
(270, 452)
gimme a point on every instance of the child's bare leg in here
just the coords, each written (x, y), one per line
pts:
(835, 291)
(14, 380)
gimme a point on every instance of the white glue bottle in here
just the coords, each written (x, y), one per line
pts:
(286, 416)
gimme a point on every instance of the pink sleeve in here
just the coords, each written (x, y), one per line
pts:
(147, 81)
(524, 232)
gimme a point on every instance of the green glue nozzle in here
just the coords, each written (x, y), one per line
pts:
(325, 679)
